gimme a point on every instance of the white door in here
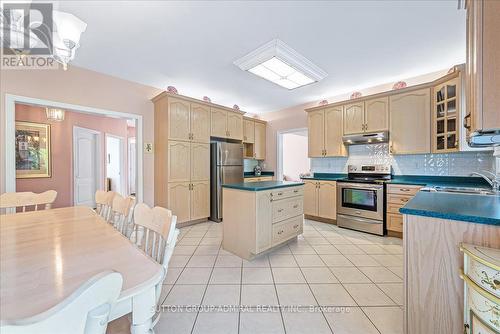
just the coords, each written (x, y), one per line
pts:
(131, 165)
(114, 163)
(86, 166)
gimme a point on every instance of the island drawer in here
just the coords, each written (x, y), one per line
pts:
(287, 229)
(482, 266)
(286, 208)
(395, 222)
(287, 192)
(398, 199)
(403, 189)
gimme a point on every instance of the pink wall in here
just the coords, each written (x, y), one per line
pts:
(87, 88)
(61, 179)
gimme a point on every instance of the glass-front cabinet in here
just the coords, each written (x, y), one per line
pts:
(446, 113)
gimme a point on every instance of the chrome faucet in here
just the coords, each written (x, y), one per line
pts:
(493, 180)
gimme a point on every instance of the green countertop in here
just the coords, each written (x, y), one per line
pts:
(262, 185)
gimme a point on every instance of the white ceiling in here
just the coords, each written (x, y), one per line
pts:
(192, 45)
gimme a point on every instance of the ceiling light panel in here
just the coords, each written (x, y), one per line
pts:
(277, 62)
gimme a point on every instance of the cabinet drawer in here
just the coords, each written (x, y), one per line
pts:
(394, 207)
(287, 229)
(482, 267)
(398, 199)
(402, 189)
(395, 222)
(286, 208)
(483, 305)
(287, 192)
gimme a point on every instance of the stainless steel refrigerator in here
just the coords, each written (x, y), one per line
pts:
(226, 166)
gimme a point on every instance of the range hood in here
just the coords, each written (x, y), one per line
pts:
(366, 138)
(484, 138)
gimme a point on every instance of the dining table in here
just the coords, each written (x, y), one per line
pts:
(46, 255)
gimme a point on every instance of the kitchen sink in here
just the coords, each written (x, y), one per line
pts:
(462, 190)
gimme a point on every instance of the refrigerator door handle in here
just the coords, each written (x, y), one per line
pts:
(219, 193)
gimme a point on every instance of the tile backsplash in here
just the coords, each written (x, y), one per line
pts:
(443, 164)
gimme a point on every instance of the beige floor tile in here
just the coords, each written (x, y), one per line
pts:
(317, 241)
(311, 233)
(288, 275)
(302, 249)
(380, 274)
(359, 240)
(318, 275)
(211, 241)
(261, 323)
(305, 322)
(226, 276)
(184, 250)
(165, 289)
(309, 261)
(363, 260)
(368, 295)
(338, 240)
(196, 233)
(349, 275)
(216, 323)
(259, 262)
(184, 295)
(175, 323)
(178, 261)
(336, 261)
(257, 276)
(202, 261)
(397, 270)
(119, 326)
(393, 249)
(207, 250)
(187, 241)
(350, 321)
(388, 260)
(349, 249)
(394, 291)
(326, 249)
(228, 261)
(388, 320)
(372, 249)
(217, 295)
(172, 275)
(194, 276)
(332, 295)
(260, 294)
(282, 260)
(282, 250)
(295, 295)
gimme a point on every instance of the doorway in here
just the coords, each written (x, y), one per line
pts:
(115, 167)
(131, 165)
(86, 165)
(293, 157)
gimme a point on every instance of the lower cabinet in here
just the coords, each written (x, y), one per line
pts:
(320, 199)
(189, 201)
(258, 179)
(397, 196)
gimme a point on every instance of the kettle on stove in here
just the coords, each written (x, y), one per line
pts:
(257, 170)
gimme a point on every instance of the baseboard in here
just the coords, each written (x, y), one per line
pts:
(191, 222)
(395, 234)
(321, 219)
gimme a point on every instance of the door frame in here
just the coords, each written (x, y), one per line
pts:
(9, 127)
(123, 161)
(131, 141)
(279, 149)
(99, 179)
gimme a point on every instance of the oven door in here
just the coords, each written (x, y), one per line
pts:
(361, 200)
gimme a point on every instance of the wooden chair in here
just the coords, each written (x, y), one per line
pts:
(155, 233)
(28, 199)
(85, 311)
(121, 208)
(104, 201)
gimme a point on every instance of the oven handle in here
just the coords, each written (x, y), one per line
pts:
(361, 220)
(362, 186)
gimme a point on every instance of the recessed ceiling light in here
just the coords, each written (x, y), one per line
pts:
(277, 62)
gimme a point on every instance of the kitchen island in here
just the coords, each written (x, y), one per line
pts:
(260, 216)
(435, 224)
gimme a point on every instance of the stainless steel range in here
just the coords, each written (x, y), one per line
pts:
(361, 198)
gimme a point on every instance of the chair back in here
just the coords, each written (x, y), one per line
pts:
(85, 311)
(104, 201)
(120, 213)
(28, 199)
(155, 232)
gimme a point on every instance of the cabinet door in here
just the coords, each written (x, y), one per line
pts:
(248, 131)
(445, 116)
(410, 122)
(377, 115)
(310, 198)
(200, 200)
(179, 200)
(263, 225)
(260, 141)
(200, 123)
(327, 199)
(333, 132)
(178, 119)
(179, 169)
(354, 118)
(218, 123)
(200, 162)
(315, 133)
(235, 125)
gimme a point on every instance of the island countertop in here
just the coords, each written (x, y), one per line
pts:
(482, 209)
(262, 185)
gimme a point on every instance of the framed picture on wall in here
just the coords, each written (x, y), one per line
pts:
(32, 150)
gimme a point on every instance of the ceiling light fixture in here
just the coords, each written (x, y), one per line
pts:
(277, 62)
(67, 38)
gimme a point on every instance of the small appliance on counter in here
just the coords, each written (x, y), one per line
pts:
(361, 198)
(257, 170)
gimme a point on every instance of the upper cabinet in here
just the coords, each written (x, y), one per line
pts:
(226, 124)
(178, 119)
(483, 66)
(445, 113)
(200, 123)
(369, 116)
(234, 125)
(254, 139)
(325, 132)
(260, 141)
(248, 131)
(410, 127)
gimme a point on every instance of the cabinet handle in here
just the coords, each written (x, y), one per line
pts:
(404, 189)
(280, 210)
(296, 191)
(295, 206)
(296, 226)
(280, 232)
(467, 124)
(391, 151)
(404, 200)
(280, 193)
